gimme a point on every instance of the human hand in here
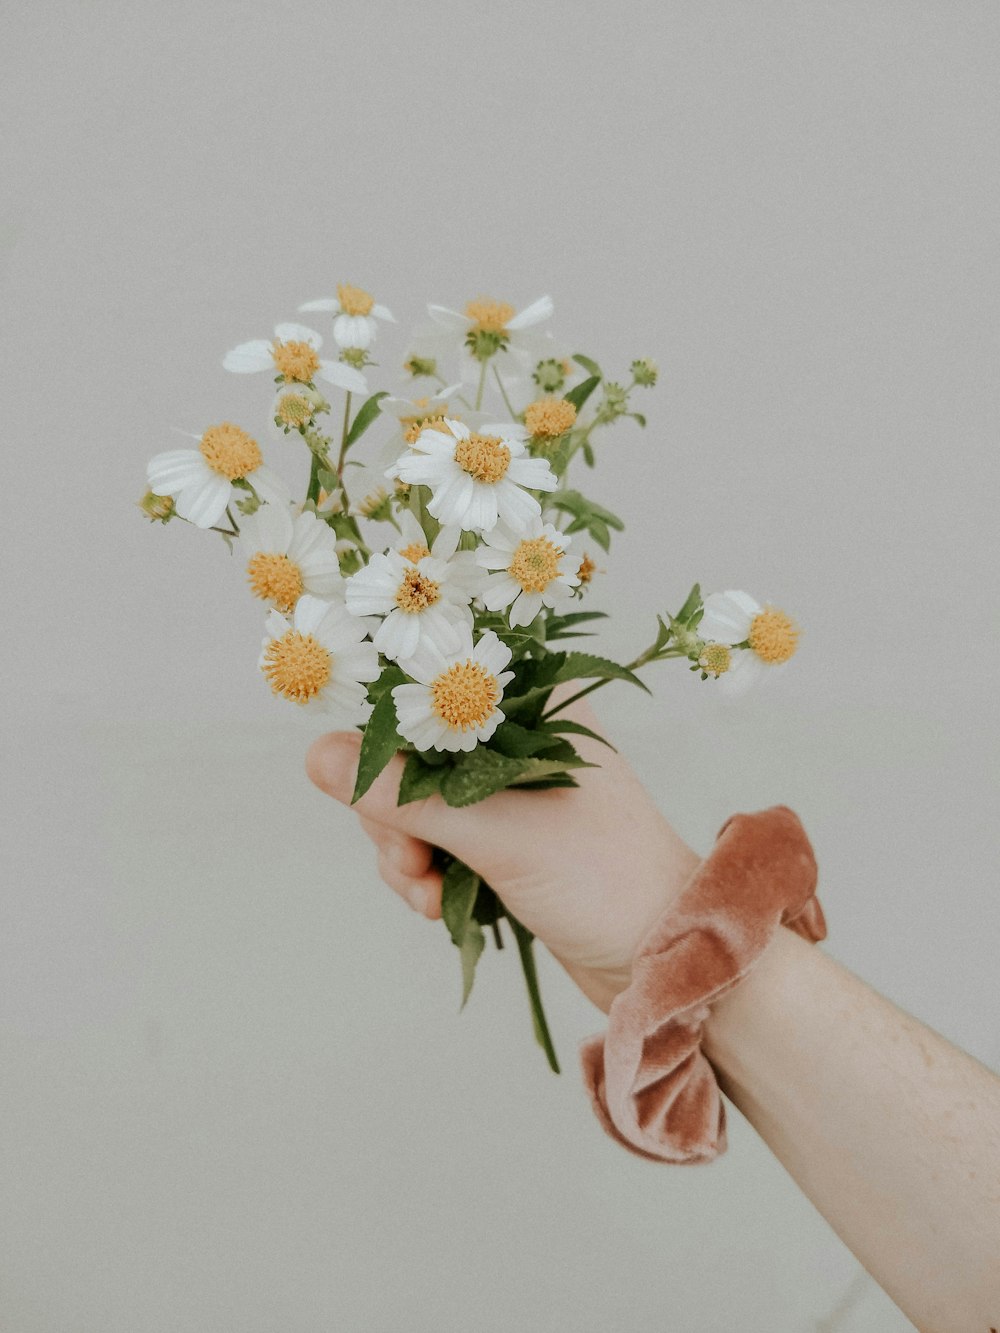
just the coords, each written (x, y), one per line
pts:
(587, 869)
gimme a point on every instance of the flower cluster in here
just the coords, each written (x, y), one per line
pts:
(425, 594)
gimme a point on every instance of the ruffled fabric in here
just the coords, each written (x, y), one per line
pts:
(651, 1086)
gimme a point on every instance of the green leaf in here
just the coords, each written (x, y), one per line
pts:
(536, 769)
(479, 774)
(599, 531)
(459, 887)
(381, 739)
(364, 419)
(591, 367)
(585, 666)
(691, 605)
(519, 742)
(573, 502)
(579, 395)
(576, 618)
(563, 724)
(637, 416)
(588, 453)
(419, 780)
(544, 784)
(470, 950)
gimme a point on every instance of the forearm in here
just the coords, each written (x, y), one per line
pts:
(892, 1133)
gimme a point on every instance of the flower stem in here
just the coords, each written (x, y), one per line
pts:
(503, 394)
(641, 660)
(525, 939)
(482, 386)
(343, 438)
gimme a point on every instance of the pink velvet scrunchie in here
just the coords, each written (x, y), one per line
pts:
(651, 1086)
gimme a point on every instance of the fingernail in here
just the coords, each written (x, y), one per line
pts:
(418, 896)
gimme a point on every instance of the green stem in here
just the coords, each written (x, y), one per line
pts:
(343, 439)
(640, 661)
(503, 393)
(497, 937)
(524, 939)
(229, 515)
(313, 492)
(482, 386)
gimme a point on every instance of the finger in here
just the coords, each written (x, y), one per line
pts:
(421, 892)
(481, 831)
(411, 856)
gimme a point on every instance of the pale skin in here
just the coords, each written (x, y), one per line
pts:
(892, 1132)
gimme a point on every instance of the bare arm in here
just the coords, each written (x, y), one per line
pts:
(891, 1132)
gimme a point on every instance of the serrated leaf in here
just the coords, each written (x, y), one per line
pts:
(579, 395)
(381, 740)
(367, 414)
(479, 774)
(574, 502)
(576, 618)
(563, 724)
(599, 531)
(590, 366)
(585, 666)
(419, 780)
(691, 604)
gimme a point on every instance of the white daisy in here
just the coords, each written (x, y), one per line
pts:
(744, 641)
(476, 477)
(201, 480)
(453, 705)
(420, 602)
(532, 569)
(294, 353)
(488, 325)
(322, 659)
(354, 315)
(289, 556)
(463, 571)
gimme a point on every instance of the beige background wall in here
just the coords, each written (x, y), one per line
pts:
(235, 1091)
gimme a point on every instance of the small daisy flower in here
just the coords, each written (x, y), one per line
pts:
(320, 660)
(454, 703)
(476, 477)
(418, 600)
(412, 415)
(289, 556)
(532, 570)
(200, 481)
(488, 325)
(294, 353)
(733, 619)
(354, 314)
(463, 570)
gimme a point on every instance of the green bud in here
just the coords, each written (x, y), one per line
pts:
(355, 356)
(484, 343)
(157, 508)
(550, 375)
(645, 372)
(421, 366)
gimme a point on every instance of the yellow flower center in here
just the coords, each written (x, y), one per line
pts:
(484, 457)
(535, 564)
(293, 410)
(297, 666)
(417, 592)
(353, 300)
(586, 571)
(296, 361)
(491, 316)
(230, 451)
(773, 635)
(465, 695)
(415, 551)
(549, 417)
(417, 424)
(716, 658)
(275, 578)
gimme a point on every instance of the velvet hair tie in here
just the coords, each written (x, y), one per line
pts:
(651, 1086)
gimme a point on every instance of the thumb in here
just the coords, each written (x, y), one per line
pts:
(478, 835)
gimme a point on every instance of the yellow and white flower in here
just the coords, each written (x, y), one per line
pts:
(531, 567)
(354, 314)
(745, 642)
(321, 660)
(488, 325)
(200, 481)
(476, 477)
(289, 556)
(293, 352)
(454, 703)
(418, 599)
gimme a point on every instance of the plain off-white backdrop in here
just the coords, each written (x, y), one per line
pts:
(236, 1095)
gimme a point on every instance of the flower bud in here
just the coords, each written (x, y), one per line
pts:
(157, 508)
(645, 372)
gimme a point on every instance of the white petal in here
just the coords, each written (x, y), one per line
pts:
(352, 331)
(269, 486)
(248, 358)
(298, 333)
(173, 471)
(344, 377)
(450, 319)
(269, 529)
(525, 608)
(534, 473)
(383, 312)
(532, 314)
(204, 502)
(326, 303)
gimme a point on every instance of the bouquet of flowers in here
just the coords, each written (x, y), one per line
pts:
(437, 605)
